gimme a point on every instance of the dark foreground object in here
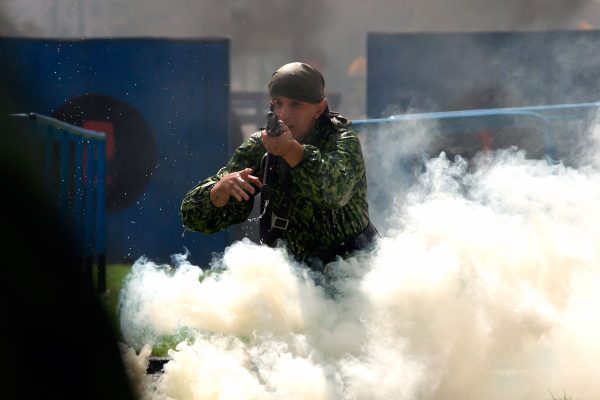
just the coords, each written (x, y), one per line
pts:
(57, 337)
(156, 364)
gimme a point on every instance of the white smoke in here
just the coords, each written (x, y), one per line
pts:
(485, 287)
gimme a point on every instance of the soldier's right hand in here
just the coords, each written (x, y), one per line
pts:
(236, 185)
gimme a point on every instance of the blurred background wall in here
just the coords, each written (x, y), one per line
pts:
(266, 33)
(163, 104)
(152, 63)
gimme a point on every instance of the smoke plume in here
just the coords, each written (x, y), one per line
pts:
(483, 286)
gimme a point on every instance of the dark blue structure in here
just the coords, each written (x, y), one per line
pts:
(164, 105)
(399, 145)
(79, 189)
(432, 72)
(461, 93)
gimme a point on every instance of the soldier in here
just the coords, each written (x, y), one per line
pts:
(312, 177)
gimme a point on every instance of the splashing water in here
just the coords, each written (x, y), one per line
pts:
(485, 288)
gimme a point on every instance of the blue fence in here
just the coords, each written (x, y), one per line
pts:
(164, 106)
(74, 161)
(546, 119)
(396, 147)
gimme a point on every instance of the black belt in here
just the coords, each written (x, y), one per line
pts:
(360, 242)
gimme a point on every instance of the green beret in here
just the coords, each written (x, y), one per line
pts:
(298, 81)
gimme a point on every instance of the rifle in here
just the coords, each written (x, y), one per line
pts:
(273, 128)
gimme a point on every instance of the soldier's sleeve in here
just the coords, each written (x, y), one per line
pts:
(197, 211)
(329, 178)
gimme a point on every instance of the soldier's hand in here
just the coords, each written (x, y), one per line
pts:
(236, 185)
(284, 146)
(278, 145)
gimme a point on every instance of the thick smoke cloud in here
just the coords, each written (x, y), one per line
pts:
(483, 284)
(481, 287)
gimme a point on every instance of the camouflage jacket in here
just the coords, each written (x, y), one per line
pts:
(329, 191)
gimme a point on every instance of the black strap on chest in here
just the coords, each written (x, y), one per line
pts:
(274, 221)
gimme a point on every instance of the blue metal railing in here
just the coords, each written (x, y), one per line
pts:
(470, 120)
(80, 191)
(397, 148)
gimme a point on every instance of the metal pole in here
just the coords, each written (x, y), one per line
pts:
(49, 161)
(86, 133)
(88, 258)
(65, 171)
(101, 216)
(78, 192)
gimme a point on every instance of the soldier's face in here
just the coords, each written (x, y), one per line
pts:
(297, 115)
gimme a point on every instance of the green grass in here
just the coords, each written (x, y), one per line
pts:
(115, 274)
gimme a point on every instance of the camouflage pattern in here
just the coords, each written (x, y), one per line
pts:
(329, 191)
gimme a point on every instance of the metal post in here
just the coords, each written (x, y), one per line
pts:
(88, 249)
(101, 216)
(49, 160)
(63, 196)
(78, 192)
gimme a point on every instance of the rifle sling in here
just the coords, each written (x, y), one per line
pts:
(274, 222)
